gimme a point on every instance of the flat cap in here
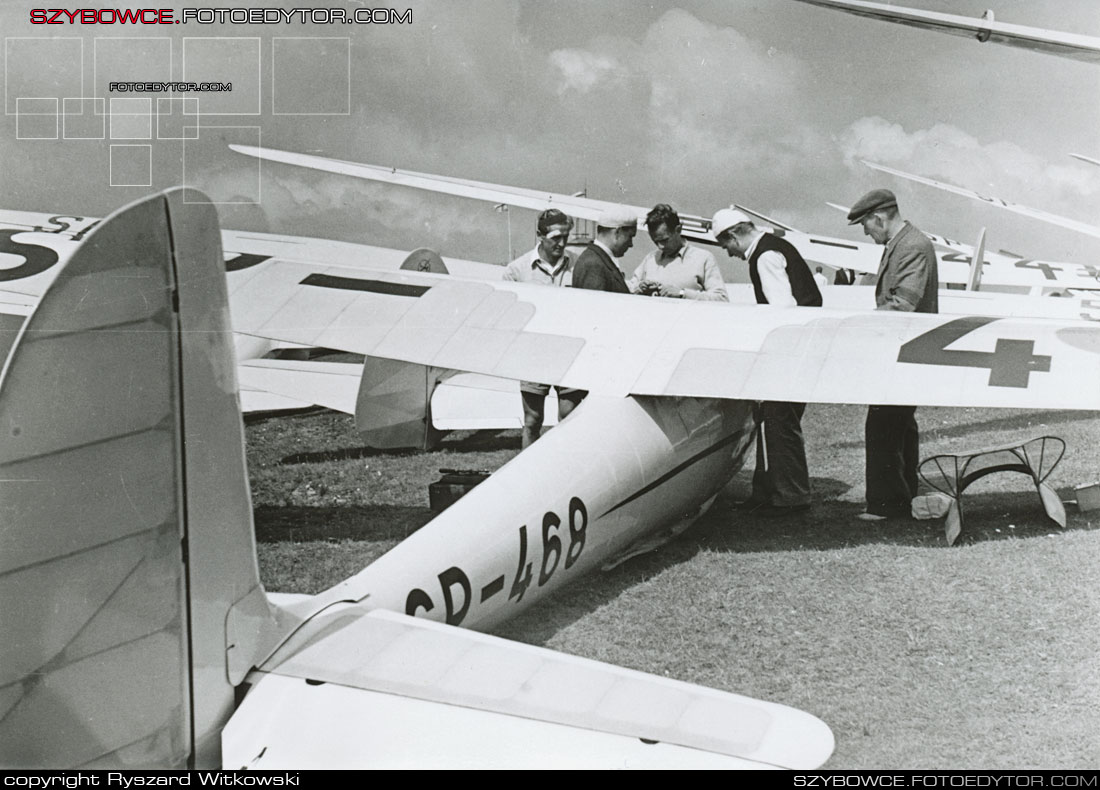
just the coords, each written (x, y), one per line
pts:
(617, 217)
(726, 218)
(872, 201)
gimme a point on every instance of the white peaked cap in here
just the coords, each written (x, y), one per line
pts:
(617, 217)
(726, 218)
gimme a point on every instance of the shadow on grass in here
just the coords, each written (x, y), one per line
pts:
(1028, 425)
(466, 442)
(830, 525)
(379, 523)
(257, 417)
(344, 454)
(833, 525)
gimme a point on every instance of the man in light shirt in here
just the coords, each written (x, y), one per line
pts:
(676, 269)
(548, 264)
(780, 276)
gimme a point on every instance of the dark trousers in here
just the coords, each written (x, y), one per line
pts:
(782, 476)
(534, 409)
(893, 451)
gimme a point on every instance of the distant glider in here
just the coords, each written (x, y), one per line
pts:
(1043, 216)
(954, 258)
(984, 29)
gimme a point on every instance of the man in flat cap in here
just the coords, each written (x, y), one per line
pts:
(548, 264)
(595, 268)
(780, 276)
(676, 269)
(908, 280)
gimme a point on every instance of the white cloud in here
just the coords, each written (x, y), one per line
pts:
(582, 71)
(947, 153)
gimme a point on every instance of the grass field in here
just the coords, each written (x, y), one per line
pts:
(918, 655)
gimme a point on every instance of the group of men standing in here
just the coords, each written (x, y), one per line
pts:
(907, 280)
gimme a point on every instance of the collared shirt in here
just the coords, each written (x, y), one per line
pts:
(531, 268)
(772, 268)
(692, 271)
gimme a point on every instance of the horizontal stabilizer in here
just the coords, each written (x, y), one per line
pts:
(267, 383)
(476, 700)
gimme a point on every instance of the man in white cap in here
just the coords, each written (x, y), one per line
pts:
(548, 264)
(908, 281)
(780, 276)
(596, 268)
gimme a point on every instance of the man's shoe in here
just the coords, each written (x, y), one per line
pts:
(866, 516)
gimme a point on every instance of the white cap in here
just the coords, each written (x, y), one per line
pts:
(617, 217)
(726, 218)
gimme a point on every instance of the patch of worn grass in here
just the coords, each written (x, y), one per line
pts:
(918, 655)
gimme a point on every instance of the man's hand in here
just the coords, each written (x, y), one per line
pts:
(664, 290)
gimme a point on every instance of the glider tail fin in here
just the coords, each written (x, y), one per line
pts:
(974, 279)
(128, 549)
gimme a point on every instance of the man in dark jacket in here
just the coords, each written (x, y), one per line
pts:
(908, 280)
(596, 268)
(780, 276)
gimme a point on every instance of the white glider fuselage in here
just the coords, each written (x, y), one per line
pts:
(612, 474)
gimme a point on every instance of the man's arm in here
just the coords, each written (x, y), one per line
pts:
(772, 268)
(636, 281)
(911, 271)
(714, 287)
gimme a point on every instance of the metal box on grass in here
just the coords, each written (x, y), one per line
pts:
(452, 486)
(1088, 497)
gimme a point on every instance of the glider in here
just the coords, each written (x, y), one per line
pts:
(1053, 219)
(864, 257)
(984, 29)
(158, 589)
(137, 633)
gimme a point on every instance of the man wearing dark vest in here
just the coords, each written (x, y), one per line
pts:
(596, 268)
(780, 276)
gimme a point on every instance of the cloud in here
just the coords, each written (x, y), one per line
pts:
(581, 71)
(944, 152)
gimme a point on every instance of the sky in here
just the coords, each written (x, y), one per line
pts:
(768, 103)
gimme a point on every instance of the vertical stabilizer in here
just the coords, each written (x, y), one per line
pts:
(91, 573)
(114, 654)
(974, 279)
(393, 408)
